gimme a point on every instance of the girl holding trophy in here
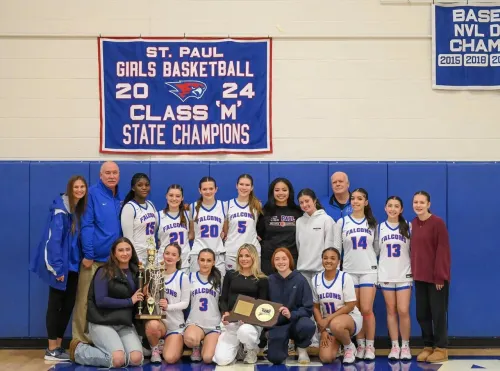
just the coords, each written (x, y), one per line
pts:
(174, 301)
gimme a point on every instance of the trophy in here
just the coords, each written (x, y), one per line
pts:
(152, 283)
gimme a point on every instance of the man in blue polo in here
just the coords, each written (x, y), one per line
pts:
(100, 227)
(339, 204)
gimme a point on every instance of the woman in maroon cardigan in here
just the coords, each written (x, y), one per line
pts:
(430, 265)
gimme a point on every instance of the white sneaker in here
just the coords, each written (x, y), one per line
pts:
(350, 355)
(405, 354)
(394, 354)
(155, 355)
(303, 356)
(370, 352)
(360, 352)
(196, 354)
(251, 356)
(161, 343)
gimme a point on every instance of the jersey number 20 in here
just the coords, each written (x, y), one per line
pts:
(209, 231)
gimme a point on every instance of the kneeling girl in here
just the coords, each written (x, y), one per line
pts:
(203, 323)
(176, 300)
(335, 309)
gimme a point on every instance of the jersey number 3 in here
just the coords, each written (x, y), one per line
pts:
(361, 242)
(203, 304)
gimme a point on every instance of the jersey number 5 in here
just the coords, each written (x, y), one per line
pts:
(361, 242)
(242, 226)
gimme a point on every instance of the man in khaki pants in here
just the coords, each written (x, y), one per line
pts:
(100, 228)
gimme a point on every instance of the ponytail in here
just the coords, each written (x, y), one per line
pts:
(197, 208)
(254, 204)
(129, 197)
(404, 228)
(372, 222)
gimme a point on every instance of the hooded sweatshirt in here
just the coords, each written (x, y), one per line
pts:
(292, 292)
(59, 250)
(100, 222)
(314, 234)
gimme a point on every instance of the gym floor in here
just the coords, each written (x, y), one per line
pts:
(460, 359)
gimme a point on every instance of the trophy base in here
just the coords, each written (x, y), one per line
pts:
(150, 316)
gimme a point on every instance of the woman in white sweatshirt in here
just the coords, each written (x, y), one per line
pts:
(314, 233)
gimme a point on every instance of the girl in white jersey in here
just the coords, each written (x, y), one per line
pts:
(206, 222)
(139, 218)
(241, 220)
(394, 275)
(203, 323)
(355, 235)
(176, 300)
(174, 225)
(335, 309)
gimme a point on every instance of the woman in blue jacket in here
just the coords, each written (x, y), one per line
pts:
(291, 289)
(57, 260)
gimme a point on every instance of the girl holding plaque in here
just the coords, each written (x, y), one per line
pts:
(292, 289)
(176, 300)
(57, 262)
(241, 340)
(335, 309)
(203, 323)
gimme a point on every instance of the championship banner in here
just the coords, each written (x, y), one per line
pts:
(466, 47)
(185, 95)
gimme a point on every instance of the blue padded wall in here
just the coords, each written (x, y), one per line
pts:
(226, 174)
(14, 248)
(475, 252)
(29, 188)
(47, 181)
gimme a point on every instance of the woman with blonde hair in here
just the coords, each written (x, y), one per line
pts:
(246, 280)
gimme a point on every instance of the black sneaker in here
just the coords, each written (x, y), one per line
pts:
(58, 355)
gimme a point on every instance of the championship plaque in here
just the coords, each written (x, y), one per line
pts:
(254, 311)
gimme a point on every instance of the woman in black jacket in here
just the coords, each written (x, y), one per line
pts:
(110, 313)
(291, 289)
(276, 227)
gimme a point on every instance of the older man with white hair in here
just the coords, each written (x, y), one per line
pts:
(339, 204)
(100, 227)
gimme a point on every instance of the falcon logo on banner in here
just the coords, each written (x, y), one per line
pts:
(466, 47)
(185, 96)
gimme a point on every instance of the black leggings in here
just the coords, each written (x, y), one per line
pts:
(60, 306)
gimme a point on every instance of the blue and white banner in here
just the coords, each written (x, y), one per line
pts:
(466, 47)
(185, 95)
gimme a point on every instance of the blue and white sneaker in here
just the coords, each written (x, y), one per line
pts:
(57, 355)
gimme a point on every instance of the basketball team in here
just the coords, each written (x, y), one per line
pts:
(322, 260)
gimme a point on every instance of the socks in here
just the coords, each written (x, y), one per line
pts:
(370, 343)
(361, 343)
(406, 343)
(350, 346)
(395, 344)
